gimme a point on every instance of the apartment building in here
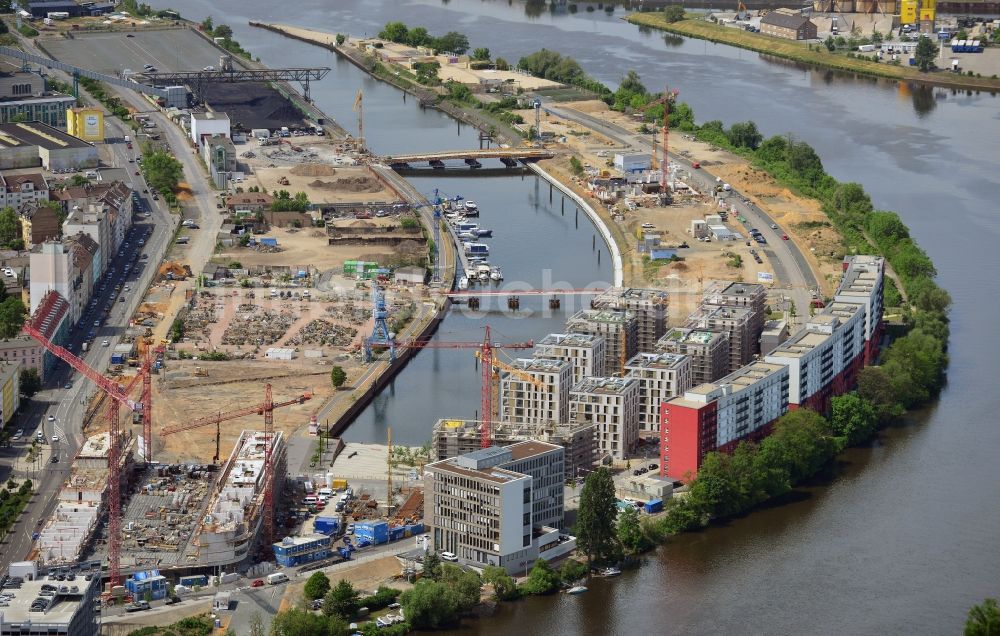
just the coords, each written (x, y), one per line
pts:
(661, 376)
(536, 392)
(736, 323)
(52, 318)
(451, 438)
(709, 351)
(18, 189)
(649, 305)
(39, 223)
(481, 508)
(716, 416)
(51, 270)
(612, 405)
(583, 350)
(619, 328)
(751, 296)
(10, 391)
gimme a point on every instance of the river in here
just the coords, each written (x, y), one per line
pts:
(904, 539)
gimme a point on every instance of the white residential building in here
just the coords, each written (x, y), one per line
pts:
(661, 376)
(536, 392)
(583, 350)
(51, 265)
(612, 405)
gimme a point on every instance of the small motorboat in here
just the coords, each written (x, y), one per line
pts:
(610, 572)
(577, 589)
(496, 274)
(471, 205)
(483, 272)
(484, 233)
(463, 282)
(468, 236)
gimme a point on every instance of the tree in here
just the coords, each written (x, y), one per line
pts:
(206, 24)
(10, 226)
(984, 619)
(429, 605)
(343, 600)
(572, 570)
(453, 42)
(481, 53)
(317, 586)
(418, 36)
(874, 387)
(542, 579)
(630, 532)
(632, 83)
(30, 382)
(673, 13)
(341, 38)
(79, 180)
(297, 621)
(163, 172)
(338, 376)
(853, 417)
(465, 584)
(595, 520)
(394, 32)
(12, 313)
(800, 442)
(925, 53)
(745, 135)
(501, 64)
(223, 31)
(504, 587)
(432, 566)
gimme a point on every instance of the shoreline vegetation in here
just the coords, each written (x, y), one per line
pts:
(815, 55)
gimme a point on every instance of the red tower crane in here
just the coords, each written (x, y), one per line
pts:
(119, 396)
(265, 408)
(486, 356)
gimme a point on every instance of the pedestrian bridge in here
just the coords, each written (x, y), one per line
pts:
(510, 154)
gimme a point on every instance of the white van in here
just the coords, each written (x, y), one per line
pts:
(276, 578)
(311, 500)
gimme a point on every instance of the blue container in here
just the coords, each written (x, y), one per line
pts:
(654, 505)
(327, 525)
(345, 553)
(375, 531)
(396, 533)
(191, 581)
(416, 528)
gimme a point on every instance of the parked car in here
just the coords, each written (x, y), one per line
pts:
(448, 556)
(257, 583)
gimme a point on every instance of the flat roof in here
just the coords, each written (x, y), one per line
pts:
(35, 133)
(530, 448)
(569, 340)
(61, 607)
(655, 361)
(750, 374)
(692, 336)
(210, 115)
(495, 475)
(602, 315)
(610, 386)
(542, 365)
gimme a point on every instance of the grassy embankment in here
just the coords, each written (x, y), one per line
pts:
(800, 52)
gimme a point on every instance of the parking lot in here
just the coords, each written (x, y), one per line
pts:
(167, 50)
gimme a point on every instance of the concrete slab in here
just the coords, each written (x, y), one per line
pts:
(167, 50)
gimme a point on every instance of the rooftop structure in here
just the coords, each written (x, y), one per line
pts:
(649, 305)
(709, 351)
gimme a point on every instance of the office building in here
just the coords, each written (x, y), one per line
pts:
(25, 97)
(583, 350)
(709, 351)
(661, 376)
(619, 328)
(67, 611)
(612, 406)
(536, 391)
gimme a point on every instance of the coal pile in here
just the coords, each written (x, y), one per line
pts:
(253, 105)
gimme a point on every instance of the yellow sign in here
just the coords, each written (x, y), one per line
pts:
(927, 15)
(85, 123)
(908, 11)
(453, 423)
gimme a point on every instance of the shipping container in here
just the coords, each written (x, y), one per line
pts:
(653, 505)
(396, 533)
(327, 525)
(375, 531)
(338, 484)
(191, 581)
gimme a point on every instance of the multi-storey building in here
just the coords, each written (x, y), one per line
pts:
(661, 376)
(619, 328)
(67, 607)
(51, 270)
(39, 223)
(709, 351)
(52, 318)
(537, 392)
(451, 438)
(583, 350)
(752, 296)
(737, 324)
(23, 351)
(649, 305)
(10, 393)
(26, 97)
(612, 405)
(486, 512)
(16, 190)
(815, 364)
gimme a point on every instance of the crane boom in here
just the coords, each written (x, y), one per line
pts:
(107, 385)
(259, 409)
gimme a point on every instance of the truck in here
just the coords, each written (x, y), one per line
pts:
(277, 578)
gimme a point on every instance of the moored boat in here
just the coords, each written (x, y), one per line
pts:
(577, 589)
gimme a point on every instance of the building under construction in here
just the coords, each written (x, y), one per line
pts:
(736, 323)
(709, 351)
(619, 328)
(649, 306)
(451, 438)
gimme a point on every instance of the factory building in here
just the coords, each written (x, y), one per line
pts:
(612, 406)
(650, 307)
(619, 328)
(536, 392)
(25, 97)
(661, 376)
(583, 350)
(54, 149)
(709, 351)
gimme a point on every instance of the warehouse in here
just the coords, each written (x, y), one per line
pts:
(56, 149)
(789, 27)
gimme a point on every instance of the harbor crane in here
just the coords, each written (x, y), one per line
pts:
(265, 408)
(487, 356)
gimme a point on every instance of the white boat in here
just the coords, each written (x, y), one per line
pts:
(476, 249)
(468, 236)
(463, 282)
(496, 274)
(577, 589)
(483, 233)
(471, 205)
(611, 572)
(483, 272)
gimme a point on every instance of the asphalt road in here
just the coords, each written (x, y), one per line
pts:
(789, 264)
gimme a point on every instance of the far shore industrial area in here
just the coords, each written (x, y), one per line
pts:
(208, 279)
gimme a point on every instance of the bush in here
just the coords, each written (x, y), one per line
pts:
(542, 579)
(316, 586)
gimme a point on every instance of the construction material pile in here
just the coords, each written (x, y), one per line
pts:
(174, 270)
(255, 325)
(199, 319)
(323, 332)
(349, 312)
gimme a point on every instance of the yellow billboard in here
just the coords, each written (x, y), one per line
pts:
(85, 123)
(908, 12)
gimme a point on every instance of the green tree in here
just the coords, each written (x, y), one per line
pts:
(418, 36)
(874, 387)
(925, 53)
(12, 313)
(572, 570)
(394, 32)
(501, 64)
(79, 180)
(206, 25)
(504, 587)
(801, 442)
(337, 377)
(632, 83)
(984, 619)
(630, 533)
(297, 621)
(575, 166)
(29, 382)
(745, 135)
(432, 566)
(595, 520)
(481, 53)
(830, 44)
(452, 42)
(163, 172)
(10, 226)
(853, 417)
(343, 600)
(429, 605)
(673, 13)
(223, 31)
(341, 38)
(542, 579)
(465, 584)
(316, 586)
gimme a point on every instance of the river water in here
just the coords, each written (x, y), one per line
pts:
(904, 539)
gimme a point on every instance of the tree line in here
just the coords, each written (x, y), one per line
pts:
(450, 42)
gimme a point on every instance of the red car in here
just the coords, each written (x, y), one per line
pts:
(257, 583)
(695, 165)
(784, 237)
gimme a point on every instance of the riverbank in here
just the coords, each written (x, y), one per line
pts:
(800, 52)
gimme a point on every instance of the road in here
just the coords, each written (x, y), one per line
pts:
(789, 264)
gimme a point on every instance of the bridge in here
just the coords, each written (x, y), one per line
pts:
(524, 155)
(197, 80)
